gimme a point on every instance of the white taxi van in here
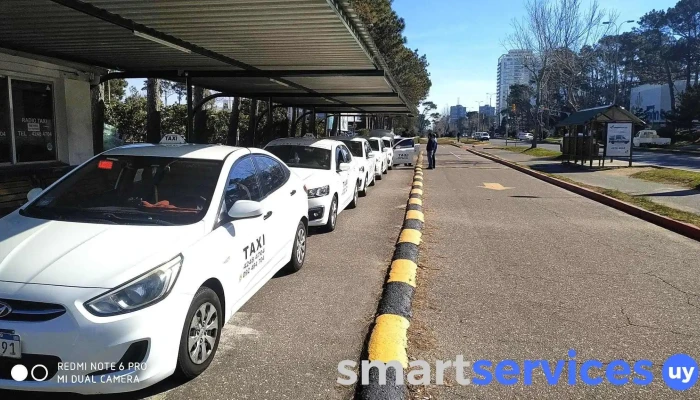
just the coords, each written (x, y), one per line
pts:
(128, 267)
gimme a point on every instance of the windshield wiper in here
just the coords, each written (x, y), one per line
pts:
(148, 219)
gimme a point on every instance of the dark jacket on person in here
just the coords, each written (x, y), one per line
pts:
(432, 144)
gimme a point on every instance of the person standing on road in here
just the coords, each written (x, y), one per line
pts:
(432, 148)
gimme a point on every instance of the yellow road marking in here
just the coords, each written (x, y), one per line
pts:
(410, 236)
(494, 186)
(388, 341)
(403, 271)
(415, 214)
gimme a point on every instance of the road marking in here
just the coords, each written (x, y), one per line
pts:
(494, 186)
(456, 155)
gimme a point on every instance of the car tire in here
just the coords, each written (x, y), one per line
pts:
(299, 248)
(378, 177)
(204, 303)
(363, 192)
(353, 203)
(332, 215)
(386, 169)
(390, 167)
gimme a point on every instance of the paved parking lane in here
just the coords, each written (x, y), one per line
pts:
(286, 342)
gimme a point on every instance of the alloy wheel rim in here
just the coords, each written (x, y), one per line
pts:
(301, 245)
(204, 329)
(334, 210)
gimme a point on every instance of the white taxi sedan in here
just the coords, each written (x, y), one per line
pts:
(325, 166)
(125, 270)
(379, 151)
(364, 160)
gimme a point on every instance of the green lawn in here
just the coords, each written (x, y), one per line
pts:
(640, 201)
(683, 178)
(536, 152)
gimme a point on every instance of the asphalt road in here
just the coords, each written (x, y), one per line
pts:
(287, 341)
(529, 272)
(669, 160)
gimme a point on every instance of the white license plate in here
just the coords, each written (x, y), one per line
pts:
(10, 345)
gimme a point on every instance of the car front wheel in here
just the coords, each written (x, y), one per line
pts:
(353, 203)
(299, 248)
(363, 192)
(332, 215)
(201, 333)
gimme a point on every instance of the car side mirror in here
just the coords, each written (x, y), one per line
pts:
(370, 154)
(243, 209)
(344, 167)
(34, 193)
(385, 150)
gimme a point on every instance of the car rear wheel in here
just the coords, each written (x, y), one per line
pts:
(201, 334)
(299, 248)
(332, 215)
(353, 203)
(363, 192)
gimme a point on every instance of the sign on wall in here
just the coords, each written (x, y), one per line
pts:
(619, 141)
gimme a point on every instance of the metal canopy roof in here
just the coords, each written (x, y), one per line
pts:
(298, 52)
(609, 113)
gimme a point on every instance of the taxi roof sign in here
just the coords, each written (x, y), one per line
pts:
(173, 138)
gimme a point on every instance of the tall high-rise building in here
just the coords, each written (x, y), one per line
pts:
(487, 110)
(457, 112)
(511, 71)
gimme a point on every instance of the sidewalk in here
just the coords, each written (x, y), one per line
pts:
(678, 197)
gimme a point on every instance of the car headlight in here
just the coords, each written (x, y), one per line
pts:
(138, 293)
(319, 192)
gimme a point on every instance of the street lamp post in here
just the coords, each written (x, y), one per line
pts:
(617, 53)
(478, 116)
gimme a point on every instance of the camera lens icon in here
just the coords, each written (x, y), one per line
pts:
(39, 373)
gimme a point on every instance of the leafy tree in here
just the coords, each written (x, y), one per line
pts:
(115, 90)
(129, 117)
(688, 109)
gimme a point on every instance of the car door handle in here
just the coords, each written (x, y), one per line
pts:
(293, 193)
(268, 215)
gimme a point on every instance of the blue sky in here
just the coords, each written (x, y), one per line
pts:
(463, 40)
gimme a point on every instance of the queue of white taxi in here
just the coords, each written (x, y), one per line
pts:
(130, 265)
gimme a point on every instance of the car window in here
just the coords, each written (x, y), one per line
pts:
(132, 190)
(387, 142)
(272, 174)
(374, 144)
(242, 183)
(354, 146)
(406, 143)
(368, 149)
(338, 158)
(347, 157)
(296, 156)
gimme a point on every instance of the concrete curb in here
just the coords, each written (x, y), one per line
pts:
(388, 340)
(681, 228)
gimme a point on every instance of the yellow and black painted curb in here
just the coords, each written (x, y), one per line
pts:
(388, 340)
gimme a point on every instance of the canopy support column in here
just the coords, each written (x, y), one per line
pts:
(190, 111)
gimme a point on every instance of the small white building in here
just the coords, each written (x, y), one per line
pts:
(45, 121)
(654, 100)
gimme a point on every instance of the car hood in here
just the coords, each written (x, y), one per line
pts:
(36, 251)
(314, 178)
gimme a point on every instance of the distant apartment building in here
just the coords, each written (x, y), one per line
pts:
(457, 112)
(511, 71)
(487, 110)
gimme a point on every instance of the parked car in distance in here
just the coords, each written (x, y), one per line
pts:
(129, 259)
(484, 136)
(388, 142)
(325, 166)
(649, 137)
(380, 151)
(525, 136)
(405, 149)
(364, 160)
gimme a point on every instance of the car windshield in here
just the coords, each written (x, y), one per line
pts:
(132, 190)
(374, 144)
(387, 142)
(355, 147)
(296, 156)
